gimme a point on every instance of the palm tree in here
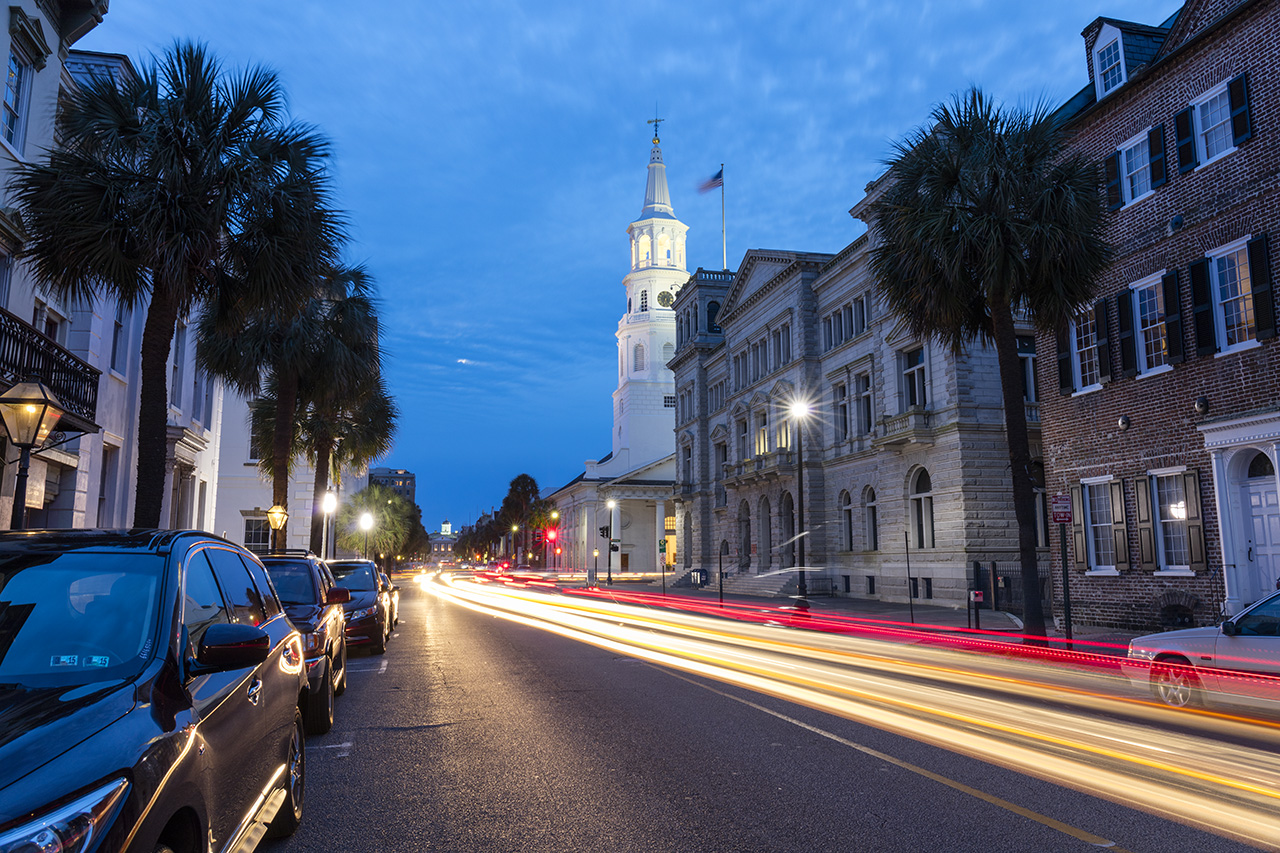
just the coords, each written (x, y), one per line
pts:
(985, 218)
(393, 518)
(155, 180)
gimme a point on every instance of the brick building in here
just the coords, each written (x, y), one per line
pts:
(1165, 429)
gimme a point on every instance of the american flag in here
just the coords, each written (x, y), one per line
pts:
(716, 180)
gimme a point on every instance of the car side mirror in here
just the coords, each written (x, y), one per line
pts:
(227, 646)
(1230, 628)
(337, 595)
(395, 588)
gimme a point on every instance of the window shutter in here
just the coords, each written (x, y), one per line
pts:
(1195, 521)
(1146, 525)
(1264, 306)
(1077, 530)
(1111, 168)
(1066, 383)
(1172, 318)
(1104, 342)
(1128, 349)
(1238, 94)
(1202, 308)
(1185, 140)
(1155, 145)
(1119, 526)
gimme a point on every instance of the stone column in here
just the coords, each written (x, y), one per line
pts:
(1226, 535)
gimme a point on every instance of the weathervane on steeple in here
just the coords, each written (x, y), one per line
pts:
(655, 121)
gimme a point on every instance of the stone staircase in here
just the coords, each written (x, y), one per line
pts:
(779, 585)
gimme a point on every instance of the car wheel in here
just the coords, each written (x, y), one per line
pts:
(342, 679)
(289, 818)
(380, 644)
(320, 708)
(162, 848)
(1174, 684)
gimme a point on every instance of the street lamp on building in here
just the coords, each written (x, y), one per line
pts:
(800, 411)
(276, 517)
(329, 504)
(366, 522)
(30, 412)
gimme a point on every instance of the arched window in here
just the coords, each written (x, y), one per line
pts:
(713, 311)
(871, 519)
(637, 360)
(846, 519)
(664, 249)
(922, 510)
(1260, 466)
(766, 536)
(644, 300)
(667, 351)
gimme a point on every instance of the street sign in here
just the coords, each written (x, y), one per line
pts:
(1060, 506)
(662, 546)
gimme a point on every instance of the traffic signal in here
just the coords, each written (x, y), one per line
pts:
(552, 533)
(537, 536)
(613, 546)
(604, 532)
(557, 549)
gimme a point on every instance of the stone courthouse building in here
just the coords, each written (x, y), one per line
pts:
(1164, 424)
(904, 451)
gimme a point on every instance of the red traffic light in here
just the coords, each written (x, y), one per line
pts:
(551, 534)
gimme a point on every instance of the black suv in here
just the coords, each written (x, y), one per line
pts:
(369, 610)
(150, 694)
(313, 602)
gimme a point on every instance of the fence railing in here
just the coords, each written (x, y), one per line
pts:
(1001, 585)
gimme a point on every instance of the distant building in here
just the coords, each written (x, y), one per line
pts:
(442, 543)
(398, 480)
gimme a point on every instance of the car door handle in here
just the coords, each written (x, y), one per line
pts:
(255, 691)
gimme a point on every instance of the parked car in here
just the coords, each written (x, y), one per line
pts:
(393, 592)
(151, 694)
(1236, 662)
(313, 602)
(369, 610)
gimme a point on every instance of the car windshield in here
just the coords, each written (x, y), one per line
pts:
(293, 582)
(356, 576)
(76, 618)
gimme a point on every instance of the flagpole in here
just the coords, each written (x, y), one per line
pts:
(724, 247)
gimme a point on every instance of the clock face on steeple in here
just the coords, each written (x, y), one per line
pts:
(665, 299)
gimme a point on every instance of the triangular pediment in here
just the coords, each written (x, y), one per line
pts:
(782, 390)
(720, 431)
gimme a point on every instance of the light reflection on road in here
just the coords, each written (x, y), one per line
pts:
(1078, 726)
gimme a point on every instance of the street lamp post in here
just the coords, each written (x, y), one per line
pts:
(595, 571)
(328, 506)
(366, 522)
(276, 517)
(611, 504)
(799, 413)
(30, 412)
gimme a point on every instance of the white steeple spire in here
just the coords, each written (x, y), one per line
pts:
(657, 200)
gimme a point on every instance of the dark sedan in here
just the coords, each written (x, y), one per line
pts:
(369, 610)
(313, 602)
(149, 695)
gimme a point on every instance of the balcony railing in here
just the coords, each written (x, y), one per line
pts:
(25, 351)
(1033, 413)
(910, 427)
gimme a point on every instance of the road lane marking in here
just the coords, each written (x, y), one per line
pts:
(1045, 820)
(345, 747)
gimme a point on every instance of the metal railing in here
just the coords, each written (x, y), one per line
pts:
(24, 351)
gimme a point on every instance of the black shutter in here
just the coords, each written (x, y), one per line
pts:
(1119, 527)
(1066, 383)
(1184, 135)
(1104, 342)
(1202, 308)
(1111, 168)
(1155, 145)
(1128, 349)
(1238, 93)
(1174, 352)
(1264, 306)
(1146, 525)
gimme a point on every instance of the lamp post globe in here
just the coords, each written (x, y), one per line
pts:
(30, 411)
(277, 516)
(799, 411)
(366, 522)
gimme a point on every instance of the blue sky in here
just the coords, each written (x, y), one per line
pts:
(492, 153)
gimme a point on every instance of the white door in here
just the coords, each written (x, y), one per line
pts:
(1263, 533)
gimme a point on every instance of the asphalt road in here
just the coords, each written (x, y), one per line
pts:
(474, 733)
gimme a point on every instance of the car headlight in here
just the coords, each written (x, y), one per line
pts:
(367, 611)
(1139, 653)
(73, 828)
(311, 644)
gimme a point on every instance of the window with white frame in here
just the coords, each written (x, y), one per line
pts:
(1233, 296)
(922, 510)
(1084, 349)
(17, 95)
(257, 533)
(1214, 124)
(1027, 359)
(1152, 349)
(1110, 69)
(1098, 520)
(914, 387)
(862, 387)
(871, 520)
(1170, 505)
(1135, 156)
(762, 433)
(742, 439)
(784, 426)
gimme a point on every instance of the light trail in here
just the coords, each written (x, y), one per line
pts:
(1083, 728)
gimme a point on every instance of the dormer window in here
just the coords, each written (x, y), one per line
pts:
(1109, 66)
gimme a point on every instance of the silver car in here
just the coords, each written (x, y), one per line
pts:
(1237, 662)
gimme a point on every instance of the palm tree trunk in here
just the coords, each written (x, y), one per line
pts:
(1015, 422)
(323, 447)
(282, 444)
(153, 409)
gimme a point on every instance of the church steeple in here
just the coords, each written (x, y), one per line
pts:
(657, 200)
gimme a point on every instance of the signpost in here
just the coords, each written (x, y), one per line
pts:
(662, 562)
(1060, 507)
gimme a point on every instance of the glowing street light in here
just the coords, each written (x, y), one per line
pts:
(612, 505)
(328, 505)
(276, 517)
(800, 411)
(30, 412)
(366, 522)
